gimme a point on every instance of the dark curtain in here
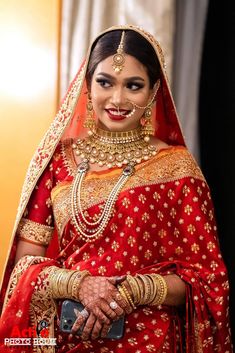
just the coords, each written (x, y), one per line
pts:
(217, 126)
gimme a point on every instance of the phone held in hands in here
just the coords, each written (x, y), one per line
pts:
(68, 317)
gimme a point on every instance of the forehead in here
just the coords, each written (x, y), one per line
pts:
(132, 67)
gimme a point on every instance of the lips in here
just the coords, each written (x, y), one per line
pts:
(115, 114)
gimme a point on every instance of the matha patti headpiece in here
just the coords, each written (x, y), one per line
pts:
(118, 58)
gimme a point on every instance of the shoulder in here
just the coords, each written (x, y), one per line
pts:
(172, 163)
(62, 149)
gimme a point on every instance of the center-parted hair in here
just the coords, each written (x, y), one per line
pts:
(134, 45)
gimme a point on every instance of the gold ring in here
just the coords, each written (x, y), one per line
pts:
(118, 296)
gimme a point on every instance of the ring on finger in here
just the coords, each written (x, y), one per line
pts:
(118, 296)
(110, 313)
(113, 305)
(84, 313)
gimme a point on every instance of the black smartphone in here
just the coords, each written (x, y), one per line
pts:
(68, 317)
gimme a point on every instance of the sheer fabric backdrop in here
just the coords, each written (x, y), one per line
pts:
(82, 20)
(190, 23)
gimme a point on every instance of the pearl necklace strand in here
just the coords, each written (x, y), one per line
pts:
(121, 149)
(78, 217)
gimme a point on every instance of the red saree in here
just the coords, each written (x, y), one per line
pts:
(170, 229)
(163, 222)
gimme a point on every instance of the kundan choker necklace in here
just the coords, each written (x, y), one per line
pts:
(114, 148)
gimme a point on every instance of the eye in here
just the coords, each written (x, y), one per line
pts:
(103, 82)
(134, 86)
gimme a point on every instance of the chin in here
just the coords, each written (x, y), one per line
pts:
(117, 126)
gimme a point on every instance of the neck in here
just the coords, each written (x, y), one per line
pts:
(135, 133)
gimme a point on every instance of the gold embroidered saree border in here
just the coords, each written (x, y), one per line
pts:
(19, 268)
(43, 307)
(22, 265)
(34, 232)
(168, 165)
(60, 196)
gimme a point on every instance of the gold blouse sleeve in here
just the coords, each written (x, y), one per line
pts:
(34, 232)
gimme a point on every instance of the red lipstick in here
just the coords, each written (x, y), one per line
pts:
(117, 114)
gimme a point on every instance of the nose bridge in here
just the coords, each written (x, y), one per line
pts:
(118, 94)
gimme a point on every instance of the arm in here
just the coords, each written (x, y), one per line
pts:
(36, 227)
(175, 290)
(173, 293)
(25, 248)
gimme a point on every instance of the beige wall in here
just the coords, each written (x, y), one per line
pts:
(29, 39)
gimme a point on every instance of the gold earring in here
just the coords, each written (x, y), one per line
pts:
(89, 122)
(147, 129)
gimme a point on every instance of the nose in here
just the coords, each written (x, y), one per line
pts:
(118, 96)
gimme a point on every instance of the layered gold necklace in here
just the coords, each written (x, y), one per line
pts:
(88, 230)
(114, 149)
(110, 149)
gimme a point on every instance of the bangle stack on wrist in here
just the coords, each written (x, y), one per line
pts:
(160, 289)
(125, 294)
(65, 283)
(150, 289)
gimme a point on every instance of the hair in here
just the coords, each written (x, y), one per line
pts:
(134, 45)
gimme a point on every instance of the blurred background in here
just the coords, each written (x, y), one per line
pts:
(42, 44)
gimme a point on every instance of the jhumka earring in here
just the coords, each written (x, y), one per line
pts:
(90, 121)
(147, 129)
(118, 58)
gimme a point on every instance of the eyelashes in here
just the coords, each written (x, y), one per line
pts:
(132, 85)
(103, 82)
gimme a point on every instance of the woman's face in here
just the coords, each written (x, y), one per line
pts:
(111, 91)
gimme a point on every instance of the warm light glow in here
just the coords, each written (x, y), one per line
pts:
(29, 47)
(24, 66)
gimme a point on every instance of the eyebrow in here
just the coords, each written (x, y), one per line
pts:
(133, 78)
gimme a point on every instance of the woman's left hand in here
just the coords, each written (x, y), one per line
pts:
(100, 298)
(94, 328)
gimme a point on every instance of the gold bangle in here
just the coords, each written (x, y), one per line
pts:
(139, 289)
(152, 288)
(71, 281)
(161, 290)
(146, 292)
(123, 294)
(76, 283)
(64, 283)
(149, 289)
(128, 296)
(134, 288)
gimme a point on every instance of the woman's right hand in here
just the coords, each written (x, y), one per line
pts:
(101, 298)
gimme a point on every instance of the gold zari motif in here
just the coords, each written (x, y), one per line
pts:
(35, 232)
(61, 202)
(43, 308)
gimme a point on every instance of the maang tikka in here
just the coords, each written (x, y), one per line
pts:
(118, 58)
